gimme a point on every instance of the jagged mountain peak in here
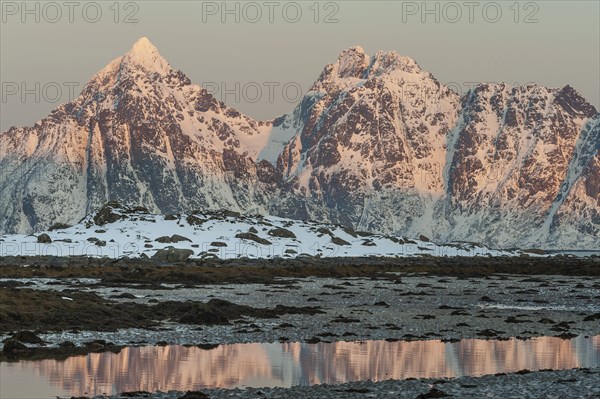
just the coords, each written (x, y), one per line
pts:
(144, 54)
(140, 60)
(574, 102)
(354, 66)
(389, 61)
(143, 46)
(352, 62)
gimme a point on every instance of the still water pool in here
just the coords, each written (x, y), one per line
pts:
(153, 368)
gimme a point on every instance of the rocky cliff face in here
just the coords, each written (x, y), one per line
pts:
(382, 145)
(377, 143)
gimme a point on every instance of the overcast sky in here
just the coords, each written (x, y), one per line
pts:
(552, 43)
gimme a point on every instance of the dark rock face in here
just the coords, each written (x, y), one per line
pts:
(390, 149)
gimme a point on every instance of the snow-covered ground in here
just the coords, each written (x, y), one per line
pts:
(213, 234)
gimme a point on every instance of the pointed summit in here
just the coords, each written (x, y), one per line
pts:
(388, 61)
(143, 53)
(352, 62)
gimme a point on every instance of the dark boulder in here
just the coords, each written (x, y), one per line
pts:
(171, 254)
(44, 239)
(28, 337)
(282, 233)
(59, 226)
(339, 241)
(178, 238)
(12, 345)
(253, 237)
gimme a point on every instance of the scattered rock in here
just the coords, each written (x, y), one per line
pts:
(171, 254)
(207, 347)
(12, 345)
(106, 215)
(59, 226)
(194, 220)
(230, 214)
(546, 321)
(350, 231)
(324, 231)
(124, 295)
(489, 333)
(44, 239)
(282, 233)
(135, 394)
(194, 395)
(253, 237)
(592, 317)
(522, 372)
(28, 337)
(433, 393)
(339, 241)
(178, 238)
(535, 251)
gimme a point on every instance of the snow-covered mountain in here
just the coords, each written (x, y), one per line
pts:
(139, 132)
(119, 230)
(382, 145)
(377, 143)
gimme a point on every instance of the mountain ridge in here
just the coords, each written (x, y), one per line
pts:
(376, 143)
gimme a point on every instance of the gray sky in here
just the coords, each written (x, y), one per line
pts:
(552, 43)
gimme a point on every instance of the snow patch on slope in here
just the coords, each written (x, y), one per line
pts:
(133, 232)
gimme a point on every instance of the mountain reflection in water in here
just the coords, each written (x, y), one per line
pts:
(285, 364)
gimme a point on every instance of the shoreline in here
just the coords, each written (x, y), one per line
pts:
(85, 305)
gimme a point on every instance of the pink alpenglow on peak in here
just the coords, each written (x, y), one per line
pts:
(144, 54)
(355, 63)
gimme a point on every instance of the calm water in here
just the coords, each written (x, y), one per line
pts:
(261, 365)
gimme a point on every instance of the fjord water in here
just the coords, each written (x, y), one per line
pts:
(154, 368)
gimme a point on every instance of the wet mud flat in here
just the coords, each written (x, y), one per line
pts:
(57, 308)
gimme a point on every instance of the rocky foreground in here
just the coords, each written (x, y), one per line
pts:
(78, 300)
(60, 307)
